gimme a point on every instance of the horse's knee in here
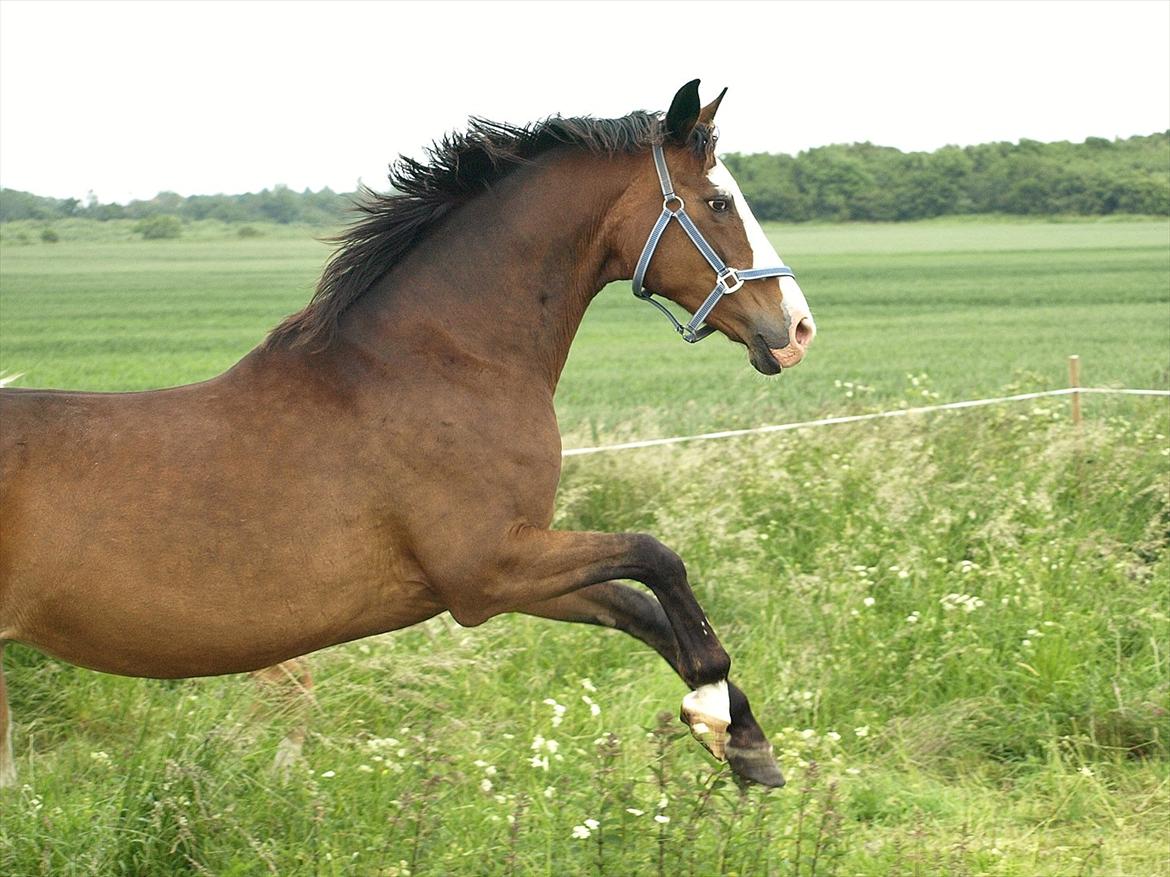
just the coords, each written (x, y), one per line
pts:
(661, 564)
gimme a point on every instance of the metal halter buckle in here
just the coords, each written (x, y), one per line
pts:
(673, 197)
(736, 283)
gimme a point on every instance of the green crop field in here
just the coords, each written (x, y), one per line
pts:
(955, 627)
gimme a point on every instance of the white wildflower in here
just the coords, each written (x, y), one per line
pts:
(662, 819)
(581, 832)
(592, 824)
(868, 601)
(634, 811)
(328, 775)
(966, 602)
(588, 685)
(485, 784)
(558, 711)
(863, 731)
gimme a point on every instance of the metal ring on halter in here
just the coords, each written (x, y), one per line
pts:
(735, 283)
(673, 197)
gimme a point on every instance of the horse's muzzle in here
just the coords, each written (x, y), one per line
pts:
(799, 338)
(772, 351)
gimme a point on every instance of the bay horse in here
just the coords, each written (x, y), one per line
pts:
(391, 451)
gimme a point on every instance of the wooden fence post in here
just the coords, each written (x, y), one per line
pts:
(1074, 381)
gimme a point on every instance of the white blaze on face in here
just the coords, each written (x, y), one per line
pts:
(764, 255)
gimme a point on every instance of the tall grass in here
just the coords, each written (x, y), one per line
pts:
(953, 627)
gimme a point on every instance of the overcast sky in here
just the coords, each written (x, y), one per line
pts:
(128, 99)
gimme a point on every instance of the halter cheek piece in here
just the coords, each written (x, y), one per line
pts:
(728, 280)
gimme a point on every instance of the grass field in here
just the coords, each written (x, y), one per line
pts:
(955, 627)
(976, 306)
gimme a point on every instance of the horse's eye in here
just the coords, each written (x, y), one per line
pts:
(719, 205)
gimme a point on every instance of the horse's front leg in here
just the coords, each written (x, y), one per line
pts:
(536, 565)
(641, 616)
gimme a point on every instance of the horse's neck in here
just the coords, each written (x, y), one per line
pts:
(505, 278)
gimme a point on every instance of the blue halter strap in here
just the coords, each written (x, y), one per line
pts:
(728, 280)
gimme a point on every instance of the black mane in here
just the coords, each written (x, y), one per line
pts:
(460, 166)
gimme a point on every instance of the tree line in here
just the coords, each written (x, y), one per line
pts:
(861, 181)
(858, 181)
(278, 204)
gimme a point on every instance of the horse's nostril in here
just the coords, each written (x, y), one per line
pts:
(804, 332)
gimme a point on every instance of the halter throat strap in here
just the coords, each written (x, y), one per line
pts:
(727, 279)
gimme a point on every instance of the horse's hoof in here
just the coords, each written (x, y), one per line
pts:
(756, 765)
(708, 713)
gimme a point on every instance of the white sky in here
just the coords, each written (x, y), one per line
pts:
(129, 98)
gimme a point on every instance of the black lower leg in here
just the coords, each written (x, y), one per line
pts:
(641, 616)
(700, 659)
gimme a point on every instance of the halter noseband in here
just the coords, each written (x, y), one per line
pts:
(728, 280)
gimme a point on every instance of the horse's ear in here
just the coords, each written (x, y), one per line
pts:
(707, 114)
(683, 112)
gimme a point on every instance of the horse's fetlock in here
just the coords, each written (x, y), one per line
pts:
(709, 668)
(722, 663)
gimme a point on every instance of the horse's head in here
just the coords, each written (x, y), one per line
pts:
(704, 239)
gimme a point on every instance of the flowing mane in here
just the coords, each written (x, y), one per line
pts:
(460, 166)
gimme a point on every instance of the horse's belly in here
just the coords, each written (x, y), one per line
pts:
(156, 589)
(199, 630)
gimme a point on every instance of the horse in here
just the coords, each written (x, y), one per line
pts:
(391, 451)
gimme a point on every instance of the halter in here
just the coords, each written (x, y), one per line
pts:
(728, 280)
